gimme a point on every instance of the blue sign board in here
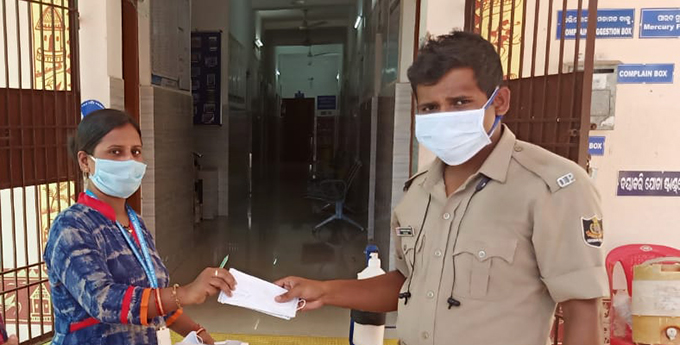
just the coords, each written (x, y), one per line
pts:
(611, 23)
(660, 23)
(89, 106)
(646, 74)
(326, 103)
(596, 146)
(648, 183)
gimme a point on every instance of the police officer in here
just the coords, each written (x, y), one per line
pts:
(493, 234)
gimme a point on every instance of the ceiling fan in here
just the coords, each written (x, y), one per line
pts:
(311, 55)
(306, 25)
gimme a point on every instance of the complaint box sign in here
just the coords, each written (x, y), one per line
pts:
(646, 73)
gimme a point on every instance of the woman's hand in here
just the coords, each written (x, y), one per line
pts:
(211, 281)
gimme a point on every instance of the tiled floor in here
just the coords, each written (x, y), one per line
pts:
(276, 241)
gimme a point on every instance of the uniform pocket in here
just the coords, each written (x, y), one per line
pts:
(482, 266)
(412, 246)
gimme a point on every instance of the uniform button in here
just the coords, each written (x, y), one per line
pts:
(430, 294)
(438, 253)
(518, 148)
(482, 254)
(447, 216)
(426, 335)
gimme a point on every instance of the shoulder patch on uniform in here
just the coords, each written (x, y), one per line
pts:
(592, 231)
(408, 182)
(566, 180)
(557, 172)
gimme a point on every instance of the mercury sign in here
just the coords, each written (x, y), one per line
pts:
(660, 23)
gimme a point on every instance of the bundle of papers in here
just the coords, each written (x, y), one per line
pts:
(259, 295)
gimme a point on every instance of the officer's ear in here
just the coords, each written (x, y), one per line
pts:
(502, 101)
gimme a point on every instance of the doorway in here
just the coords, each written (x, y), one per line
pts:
(298, 129)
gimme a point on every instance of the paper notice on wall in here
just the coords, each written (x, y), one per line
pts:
(164, 42)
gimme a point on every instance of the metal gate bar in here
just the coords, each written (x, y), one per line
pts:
(551, 110)
(35, 119)
(550, 106)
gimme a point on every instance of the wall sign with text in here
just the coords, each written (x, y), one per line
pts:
(326, 103)
(596, 146)
(648, 183)
(611, 23)
(646, 73)
(660, 23)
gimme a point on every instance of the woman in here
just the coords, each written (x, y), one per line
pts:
(109, 285)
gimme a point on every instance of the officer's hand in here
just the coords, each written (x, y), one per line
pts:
(311, 291)
(207, 338)
(208, 283)
(12, 340)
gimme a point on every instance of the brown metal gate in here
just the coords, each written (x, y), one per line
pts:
(550, 76)
(39, 107)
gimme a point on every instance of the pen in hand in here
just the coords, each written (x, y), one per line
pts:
(224, 261)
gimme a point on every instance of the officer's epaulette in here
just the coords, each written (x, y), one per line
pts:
(557, 172)
(408, 182)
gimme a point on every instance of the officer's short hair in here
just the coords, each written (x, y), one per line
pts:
(458, 49)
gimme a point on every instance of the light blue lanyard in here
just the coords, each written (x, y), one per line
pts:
(146, 261)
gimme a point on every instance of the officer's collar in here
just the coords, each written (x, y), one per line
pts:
(494, 167)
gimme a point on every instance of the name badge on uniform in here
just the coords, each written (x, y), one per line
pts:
(163, 336)
(405, 231)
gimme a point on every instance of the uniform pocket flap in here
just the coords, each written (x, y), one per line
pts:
(489, 248)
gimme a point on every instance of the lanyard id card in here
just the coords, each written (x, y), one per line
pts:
(163, 336)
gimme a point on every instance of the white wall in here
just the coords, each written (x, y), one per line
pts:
(644, 138)
(441, 16)
(242, 22)
(101, 46)
(297, 68)
(17, 80)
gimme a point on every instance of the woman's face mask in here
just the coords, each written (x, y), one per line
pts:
(118, 167)
(119, 179)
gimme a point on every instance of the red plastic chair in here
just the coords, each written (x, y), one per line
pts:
(629, 256)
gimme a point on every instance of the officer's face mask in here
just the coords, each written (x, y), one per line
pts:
(456, 136)
(119, 179)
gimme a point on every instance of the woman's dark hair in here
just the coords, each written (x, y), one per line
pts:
(94, 127)
(459, 49)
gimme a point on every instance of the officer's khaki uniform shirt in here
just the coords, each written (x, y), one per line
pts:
(528, 239)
